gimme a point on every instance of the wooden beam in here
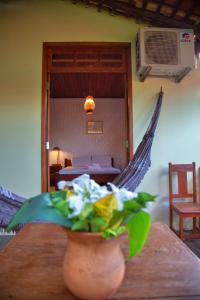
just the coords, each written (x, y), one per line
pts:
(130, 3)
(100, 5)
(144, 4)
(176, 8)
(86, 2)
(159, 6)
(141, 14)
(112, 11)
(188, 13)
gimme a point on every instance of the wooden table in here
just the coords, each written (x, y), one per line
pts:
(31, 267)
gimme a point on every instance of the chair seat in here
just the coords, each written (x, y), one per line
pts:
(187, 208)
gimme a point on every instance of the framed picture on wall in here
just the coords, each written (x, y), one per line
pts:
(94, 127)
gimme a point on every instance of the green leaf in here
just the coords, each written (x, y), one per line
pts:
(98, 221)
(143, 198)
(117, 219)
(80, 225)
(147, 196)
(138, 229)
(58, 194)
(38, 208)
(132, 205)
(62, 206)
(111, 232)
(97, 224)
(86, 211)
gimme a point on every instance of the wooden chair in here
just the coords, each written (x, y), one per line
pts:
(189, 209)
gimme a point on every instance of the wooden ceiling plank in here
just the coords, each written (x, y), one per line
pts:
(166, 21)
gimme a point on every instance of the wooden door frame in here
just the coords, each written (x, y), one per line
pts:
(44, 115)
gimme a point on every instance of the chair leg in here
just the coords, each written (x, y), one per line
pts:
(181, 235)
(170, 217)
(194, 225)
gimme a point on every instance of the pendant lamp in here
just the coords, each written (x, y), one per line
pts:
(89, 105)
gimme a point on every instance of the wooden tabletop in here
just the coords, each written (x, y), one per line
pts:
(31, 267)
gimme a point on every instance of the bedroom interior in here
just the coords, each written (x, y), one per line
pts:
(86, 143)
(74, 72)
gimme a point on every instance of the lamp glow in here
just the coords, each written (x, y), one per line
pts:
(57, 149)
(89, 105)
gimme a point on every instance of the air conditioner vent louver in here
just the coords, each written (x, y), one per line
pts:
(164, 43)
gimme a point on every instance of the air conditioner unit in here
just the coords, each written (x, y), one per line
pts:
(165, 52)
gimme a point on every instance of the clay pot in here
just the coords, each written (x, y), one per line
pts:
(93, 267)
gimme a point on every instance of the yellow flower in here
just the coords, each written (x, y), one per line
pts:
(104, 207)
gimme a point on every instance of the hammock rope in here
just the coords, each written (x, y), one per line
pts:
(137, 167)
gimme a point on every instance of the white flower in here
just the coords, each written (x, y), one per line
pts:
(99, 193)
(122, 195)
(89, 189)
(81, 181)
(62, 184)
(76, 203)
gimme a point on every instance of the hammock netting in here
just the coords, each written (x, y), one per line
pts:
(136, 169)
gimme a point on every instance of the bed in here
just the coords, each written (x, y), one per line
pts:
(99, 167)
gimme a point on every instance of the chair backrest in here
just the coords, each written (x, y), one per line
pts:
(182, 190)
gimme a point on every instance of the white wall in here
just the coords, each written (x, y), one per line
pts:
(24, 26)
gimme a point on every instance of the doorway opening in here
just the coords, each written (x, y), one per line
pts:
(71, 72)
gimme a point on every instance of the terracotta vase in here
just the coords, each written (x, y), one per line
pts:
(93, 267)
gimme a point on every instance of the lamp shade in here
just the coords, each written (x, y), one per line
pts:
(89, 105)
(56, 149)
(58, 152)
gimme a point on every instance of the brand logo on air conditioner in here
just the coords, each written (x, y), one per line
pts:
(186, 37)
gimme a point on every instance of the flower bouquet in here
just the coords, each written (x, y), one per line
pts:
(93, 215)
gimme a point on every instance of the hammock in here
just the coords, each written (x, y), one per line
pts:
(133, 174)
(9, 204)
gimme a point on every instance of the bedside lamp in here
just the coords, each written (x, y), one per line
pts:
(58, 155)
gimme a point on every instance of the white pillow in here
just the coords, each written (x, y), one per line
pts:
(102, 160)
(81, 161)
